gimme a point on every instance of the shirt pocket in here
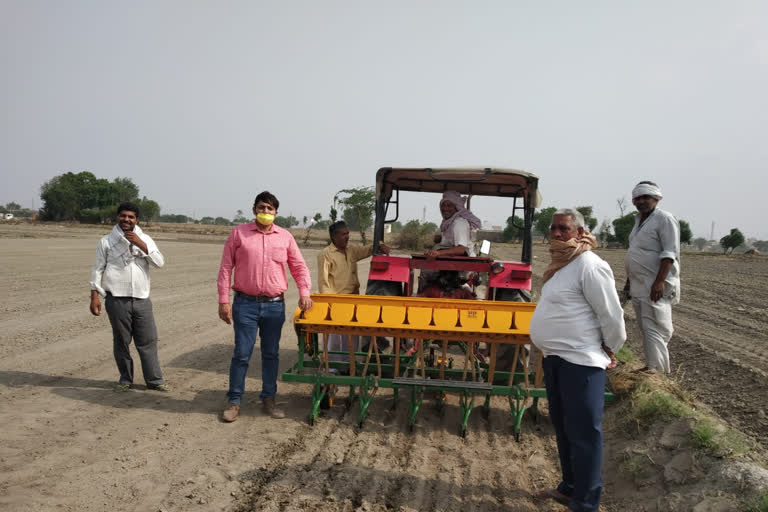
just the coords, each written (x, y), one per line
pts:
(278, 253)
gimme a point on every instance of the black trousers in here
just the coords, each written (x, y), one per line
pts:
(576, 398)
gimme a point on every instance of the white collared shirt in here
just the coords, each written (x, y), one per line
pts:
(650, 242)
(579, 310)
(121, 268)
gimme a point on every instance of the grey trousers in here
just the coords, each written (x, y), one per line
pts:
(133, 318)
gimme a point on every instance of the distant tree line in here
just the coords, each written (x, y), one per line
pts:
(616, 231)
(84, 197)
(17, 210)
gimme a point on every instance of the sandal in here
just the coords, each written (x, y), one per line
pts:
(554, 494)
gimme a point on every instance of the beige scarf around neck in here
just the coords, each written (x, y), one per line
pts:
(565, 252)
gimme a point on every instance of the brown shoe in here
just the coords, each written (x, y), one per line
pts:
(269, 408)
(230, 413)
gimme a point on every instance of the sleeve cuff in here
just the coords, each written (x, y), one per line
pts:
(668, 255)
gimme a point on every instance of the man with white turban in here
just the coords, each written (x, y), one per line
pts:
(455, 240)
(456, 228)
(653, 273)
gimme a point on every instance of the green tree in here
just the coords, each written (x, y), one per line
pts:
(700, 243)
(84, 197)
(622, 227)
(416, 236)
(149, 210)
(63, 195)
(12, 207)
(221, 221)
(123, 189)
(207, 220)
(397, 226)
(358, 204)
(732, 240)
(589, 220)
(604, 234)
(286, 222)
(240, 218)
(322, 225)
(175, 218)
(544, 221)
(686, 235)
(513, 230)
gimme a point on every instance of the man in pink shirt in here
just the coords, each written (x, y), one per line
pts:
(259, 252)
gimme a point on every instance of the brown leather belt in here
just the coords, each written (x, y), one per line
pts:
(260, 298)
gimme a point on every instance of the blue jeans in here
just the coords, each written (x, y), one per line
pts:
(576, 398)
(251, 318)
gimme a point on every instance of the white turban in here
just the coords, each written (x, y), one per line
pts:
(646, 189)
(453, 197)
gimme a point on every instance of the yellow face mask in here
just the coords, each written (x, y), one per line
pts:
(265, 219)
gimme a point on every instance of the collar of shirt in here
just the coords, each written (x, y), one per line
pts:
(116, 235)
(275, 229)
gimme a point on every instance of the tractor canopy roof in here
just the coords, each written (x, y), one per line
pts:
(476, 181)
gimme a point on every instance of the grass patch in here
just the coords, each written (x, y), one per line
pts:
(704, 434)
(759, 504)
(634, 464)
(650, 405)
(625, 354)
(721, 441)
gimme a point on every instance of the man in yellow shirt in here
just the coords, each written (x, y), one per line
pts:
(337, 273)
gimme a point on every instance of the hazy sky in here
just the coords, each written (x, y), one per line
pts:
(204, 104)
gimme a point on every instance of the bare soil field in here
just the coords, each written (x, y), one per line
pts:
(71, 443)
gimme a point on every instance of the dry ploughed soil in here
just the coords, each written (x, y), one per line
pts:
(71, 443)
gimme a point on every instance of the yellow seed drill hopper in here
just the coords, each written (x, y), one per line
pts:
(389, 310)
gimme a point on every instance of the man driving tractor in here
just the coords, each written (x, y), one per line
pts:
(455, 239)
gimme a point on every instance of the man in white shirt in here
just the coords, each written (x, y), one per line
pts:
(578, 324)
(455, 239)
(653, 274)
(121, 273)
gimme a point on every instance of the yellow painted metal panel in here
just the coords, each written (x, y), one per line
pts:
(393, 316)
(342, 313)
(419, 318)
(472, 318)
(445, 317)
(523, 320)
(368, 313)
(317, 313)
(499, 321)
